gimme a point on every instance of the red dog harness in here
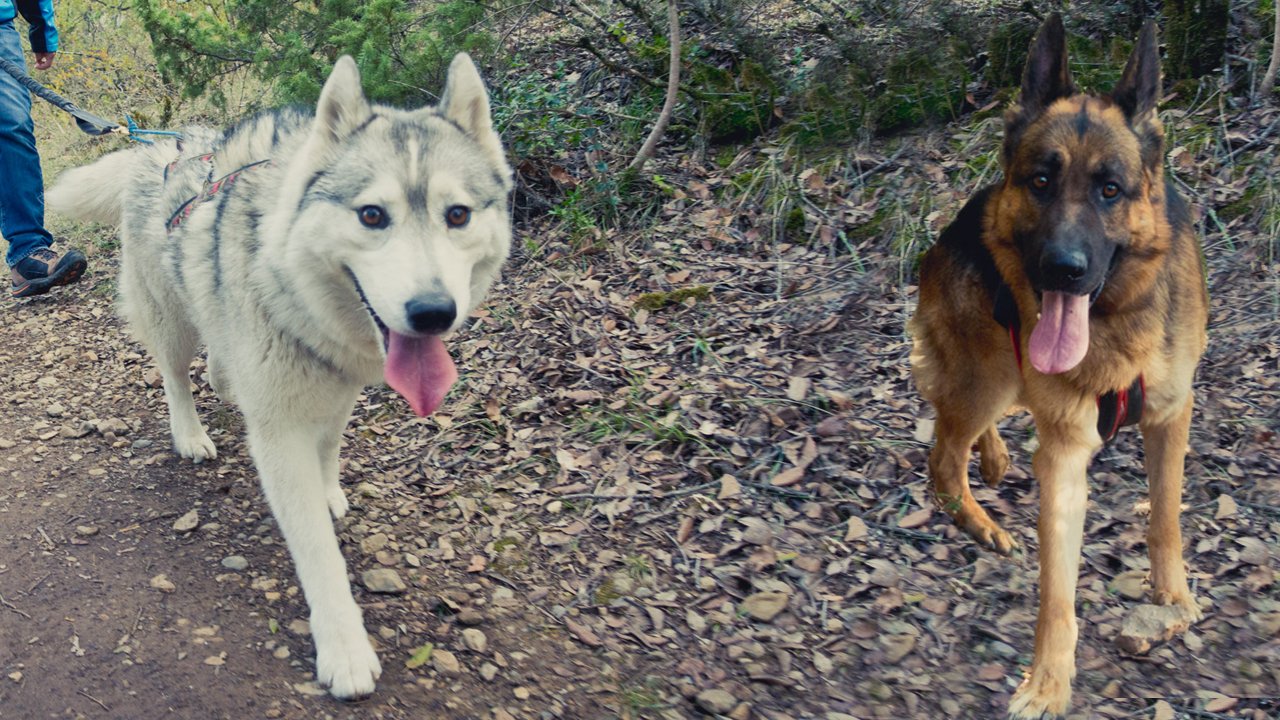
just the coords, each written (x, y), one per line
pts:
(211, 187)
(1116, 408)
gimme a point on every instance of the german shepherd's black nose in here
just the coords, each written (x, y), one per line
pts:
(431, 314)
(1060, 266)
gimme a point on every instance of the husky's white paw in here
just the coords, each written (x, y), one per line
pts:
(196, 446)
(337, 500)
(346, 662)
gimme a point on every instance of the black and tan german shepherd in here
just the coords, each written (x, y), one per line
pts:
(1073, 287)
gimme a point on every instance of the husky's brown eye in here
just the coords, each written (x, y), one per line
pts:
(1110, 191)
(457, 216)
(372, 216)
(1040, 182)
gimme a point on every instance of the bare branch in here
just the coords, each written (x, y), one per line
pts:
(673, 91)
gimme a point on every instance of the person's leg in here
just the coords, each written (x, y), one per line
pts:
(22, 201)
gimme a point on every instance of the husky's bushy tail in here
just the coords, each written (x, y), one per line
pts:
(96, 191)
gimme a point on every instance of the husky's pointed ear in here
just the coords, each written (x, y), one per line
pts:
(1047, 75)
(1139, 88)
(465, 102)
(342, 107)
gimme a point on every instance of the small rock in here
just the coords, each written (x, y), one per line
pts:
(445, 662)
(281, 652)
(86, 530)
(55, 410)
(112, 426)
(76, 430)
(163, 584)
(187, 522)
(880, 691)
(521, 693)
(488, 672)
(742, 712)
(764, 606)
(16, 676)
(235, 562)
(715, 701)
(474, 640)
(373, 543)
(1148, 625)
(311, 688)
(299, 627)
(383, 580)
(368, 490)
(470, 616)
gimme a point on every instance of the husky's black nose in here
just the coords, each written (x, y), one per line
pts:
(431, 314)
(1061, 266)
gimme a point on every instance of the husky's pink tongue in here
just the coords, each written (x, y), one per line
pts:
(1061, 337)
(420, 369)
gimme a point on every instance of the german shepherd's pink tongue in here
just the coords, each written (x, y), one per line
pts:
(420, 369)
(1061, 337)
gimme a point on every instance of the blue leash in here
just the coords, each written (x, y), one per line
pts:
(133, 131)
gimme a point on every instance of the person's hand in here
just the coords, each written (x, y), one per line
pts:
(44, 61)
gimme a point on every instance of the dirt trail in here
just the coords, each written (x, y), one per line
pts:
(712, 506)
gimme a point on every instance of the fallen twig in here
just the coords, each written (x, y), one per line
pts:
(96, 700)
(13, 607)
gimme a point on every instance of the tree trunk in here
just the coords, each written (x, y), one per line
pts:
(1196, 33)
(1269, 79)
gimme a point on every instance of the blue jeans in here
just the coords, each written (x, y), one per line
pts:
(21, 182)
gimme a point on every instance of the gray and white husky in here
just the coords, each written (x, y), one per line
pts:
(313, 254)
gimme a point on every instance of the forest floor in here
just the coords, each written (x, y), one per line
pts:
(682, 475)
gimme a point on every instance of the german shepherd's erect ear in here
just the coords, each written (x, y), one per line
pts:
(1138, 91)
(1046, 78)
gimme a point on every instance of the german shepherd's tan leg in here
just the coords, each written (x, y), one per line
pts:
(1060, 467)
(993, 456)
(1165, 445)
(958, 426)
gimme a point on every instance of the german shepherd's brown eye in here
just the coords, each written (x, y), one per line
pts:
(457, 216)
(1040, 182)
(372, 216)
(1110, 191)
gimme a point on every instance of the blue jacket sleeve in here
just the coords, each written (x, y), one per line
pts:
(43, 34)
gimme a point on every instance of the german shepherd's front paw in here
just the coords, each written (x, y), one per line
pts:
(346, 662)
(1184, 601)
(985, 531)
(1046, 691)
